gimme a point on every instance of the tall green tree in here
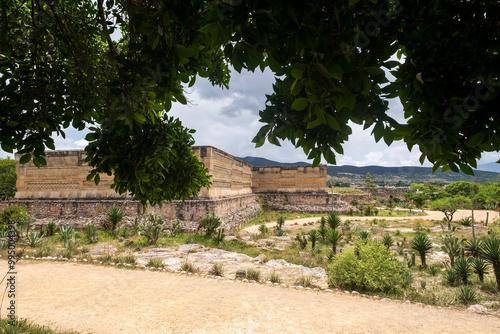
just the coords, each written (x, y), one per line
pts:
(61, 67)
(449, 205)
(7, 178)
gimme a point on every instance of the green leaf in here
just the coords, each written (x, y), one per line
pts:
(297, 73)
(300, 103)
(374, 70)
(322, 70)
(378, 131)
(25, 159)
(139, 117)
(156, 41)
(337, 71)
(466, 169)
(97, 179)
(388, 136)
(332, 122)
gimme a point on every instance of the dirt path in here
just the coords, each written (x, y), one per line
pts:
(96, 299)
(479, 215)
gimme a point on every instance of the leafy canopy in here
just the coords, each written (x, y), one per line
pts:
(60, 67)
(7, 178)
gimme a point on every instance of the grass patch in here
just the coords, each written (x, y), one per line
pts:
(24, 327)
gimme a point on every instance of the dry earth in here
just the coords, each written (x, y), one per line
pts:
(97, 299)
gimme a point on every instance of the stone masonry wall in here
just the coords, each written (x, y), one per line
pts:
(289, 179)
(232, 211)
(317, 202)
(385, 192)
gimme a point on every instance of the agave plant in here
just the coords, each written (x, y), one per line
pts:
(34, 238)
(479, 267)
(114, 217)
(387, 241)
(466, 295)
(333, 237)
(50, 229)
(364, 235)
(333, 220)
(473, 247)
(67, 232)
(422, 245)
(313, 238)
(452, 247)
(466, 221)
(490, 252)
(263, 229)
(301, 238)
(463, 270)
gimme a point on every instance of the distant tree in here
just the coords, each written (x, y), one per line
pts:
(368, 180)
(448, 206)
(7, 178)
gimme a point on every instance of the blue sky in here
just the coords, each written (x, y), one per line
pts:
(228, 120)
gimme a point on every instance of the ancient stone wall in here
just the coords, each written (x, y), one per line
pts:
(230, 175)
(317, 202)
(289, 179)
(64, 176)
(232, 211)
(385, 192)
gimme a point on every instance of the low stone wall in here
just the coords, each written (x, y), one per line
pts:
(318, 202)
(385, 192)
(232, 211)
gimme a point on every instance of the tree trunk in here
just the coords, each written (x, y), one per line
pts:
(422, 258)
(452, 260)
(496, 270)
(334, 249)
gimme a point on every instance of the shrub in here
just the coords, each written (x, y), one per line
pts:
(155, 262)
(462, 268)
(302, 240)
(136, 227)
(113, 218)
(105, 258)
(452, 247)
(450, 277)
(473, 247)
(368, 266)
(175, 229)
(322, 232)
(209, 223)
(333, 220)
(479, 267)
(42, 251)
(422, 245)
(490, 252)
(263, 229)
(15, 214)
(313, 237)
(305, 281)
(466, 221)
(387, 241)
(217, 269)
(432, 270)
(333, 237)
(274, 277)
(364, 235)
(91, 233)
(189, 267)
(50, 229)
(466, 295)
(67, 232)
(219, 236)
(368, 210)
(280, 222)
(253, 275)
(152, 228)
(34, 238)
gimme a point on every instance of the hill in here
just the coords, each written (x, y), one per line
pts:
(400, 176)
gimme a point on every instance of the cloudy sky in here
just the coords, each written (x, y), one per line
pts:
(228, 120)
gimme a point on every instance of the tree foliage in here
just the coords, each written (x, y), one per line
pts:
(60, 67)
(7, 178)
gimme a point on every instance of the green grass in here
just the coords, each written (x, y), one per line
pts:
(24, 327)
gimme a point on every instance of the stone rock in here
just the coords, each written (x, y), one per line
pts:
(303, 255)
(230, 238)
(262, 258)
(281, 249)
(98, 250)
(477, 308)
(252, 243)
(240, 273)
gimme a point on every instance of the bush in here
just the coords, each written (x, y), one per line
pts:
(15, 214)
(209, 223)
(113, 218)
(305, 281)
(189, 267)
(155, 262)
(219, 236)
(34, 238)
(368, 266)
(152, 227)
(466, 295)
(274, 277)
(91, 233)
(253, 275)
(217, 269)
(175, 229)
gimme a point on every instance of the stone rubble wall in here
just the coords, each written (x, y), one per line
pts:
(318, 202)
(233, 211)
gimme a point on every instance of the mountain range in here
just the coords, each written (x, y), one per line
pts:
(401, 175)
